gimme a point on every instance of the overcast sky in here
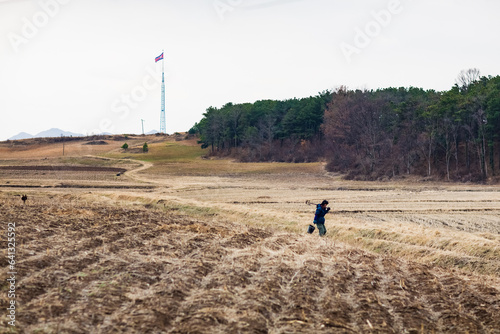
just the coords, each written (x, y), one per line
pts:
(87, 66)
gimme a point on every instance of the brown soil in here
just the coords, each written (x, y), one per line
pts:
(65, 168)
(93, 266)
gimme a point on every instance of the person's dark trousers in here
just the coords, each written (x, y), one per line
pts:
(321, 229)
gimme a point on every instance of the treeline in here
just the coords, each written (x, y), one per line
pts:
(267, 130)
(390, 132)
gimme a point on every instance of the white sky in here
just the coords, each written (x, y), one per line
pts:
(87, 66)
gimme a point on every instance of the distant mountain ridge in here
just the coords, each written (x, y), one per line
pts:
(21, 135)
(54, 132)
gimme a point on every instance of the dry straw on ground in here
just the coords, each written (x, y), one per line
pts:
(89, 266)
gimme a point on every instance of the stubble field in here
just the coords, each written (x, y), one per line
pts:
(181, 244)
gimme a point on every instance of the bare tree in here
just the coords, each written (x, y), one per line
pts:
(467, 77)
(267, 128)
(449, 133)
(481, 119)
(234, 123)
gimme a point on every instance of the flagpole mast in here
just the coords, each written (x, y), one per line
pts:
(162, 115)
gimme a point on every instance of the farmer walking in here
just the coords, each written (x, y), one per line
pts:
(319, 217)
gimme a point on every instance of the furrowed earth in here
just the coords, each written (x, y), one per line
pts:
(182, 244)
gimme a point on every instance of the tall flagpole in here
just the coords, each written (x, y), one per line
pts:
(163, 127)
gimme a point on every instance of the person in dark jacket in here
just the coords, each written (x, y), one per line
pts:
(319, 217)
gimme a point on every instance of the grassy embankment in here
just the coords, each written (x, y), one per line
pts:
(187, 158)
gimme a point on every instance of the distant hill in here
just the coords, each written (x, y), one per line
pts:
(54, 132)
(21, 135)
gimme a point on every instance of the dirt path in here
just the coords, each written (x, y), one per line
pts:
(132, 174)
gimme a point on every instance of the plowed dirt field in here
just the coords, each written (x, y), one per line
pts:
(91, 265)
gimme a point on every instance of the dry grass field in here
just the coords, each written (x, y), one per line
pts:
(184, 244)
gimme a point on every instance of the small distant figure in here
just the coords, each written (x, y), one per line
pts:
(118, 174)
(319, 217)
(24, 198)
